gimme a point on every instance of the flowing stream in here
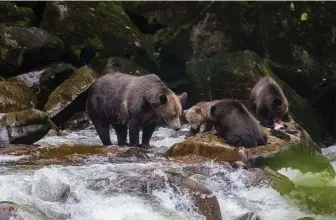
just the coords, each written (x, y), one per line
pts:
(91, 199)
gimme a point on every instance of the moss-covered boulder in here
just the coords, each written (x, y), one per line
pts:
(23, 48)
(11, 14)
(15, 96)
(103, 25)
(291, 147)
(43, 81)
(118, 64)
(24, 127)
(233, 75)
(69, 97)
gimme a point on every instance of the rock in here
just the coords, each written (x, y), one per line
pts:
(11, 14)
(69, 97)
(233, 75)
(209, 146)
(103, 25)
(24, 127)
(298, 152)
(118, 64)
(278, 181)
(50, 188)
(12, 210)
(15, 96)
(306, 218)
(43, 81)
(249, 216)
(24, 48)
(78, 121)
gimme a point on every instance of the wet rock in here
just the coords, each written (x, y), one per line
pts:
(24, 48)
(233, 75)
(12, 210)
(50, 188)
(306, 218)
(43, 81)
(299, 151)
(102, 25)
(15, 96)
(278, 181)
(69, 97)
(209, 146)
(24, 127)
(249, 216)
(78, 121)
(11, 14)
(118, 64)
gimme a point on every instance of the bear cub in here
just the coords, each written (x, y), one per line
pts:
(199, 115)
(130, 103)
(236, 125)
(269, 102)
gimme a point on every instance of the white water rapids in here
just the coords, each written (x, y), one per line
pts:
(36, 186)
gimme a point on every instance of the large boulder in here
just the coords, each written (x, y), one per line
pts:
(15, 96)
(291, 147)
(23, 48)
(43, 81)
(102, 25)
(11, 14)
(233, 75)
(23, 127)
(69, 97)
(118, 64)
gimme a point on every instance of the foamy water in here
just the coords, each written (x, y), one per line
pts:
(42, 187)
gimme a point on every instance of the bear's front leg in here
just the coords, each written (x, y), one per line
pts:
(147, 132)
(134, 129)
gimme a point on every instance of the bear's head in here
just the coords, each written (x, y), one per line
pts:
(194, 116)
(168, 106)
(279, 108)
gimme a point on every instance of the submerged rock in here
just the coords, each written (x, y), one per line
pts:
(68, 98)
(24, 127)
(249, 216)
(15, 96)
(12, 210)
(44, 80)
(24, 48)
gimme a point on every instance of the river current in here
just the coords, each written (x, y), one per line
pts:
(36, 186)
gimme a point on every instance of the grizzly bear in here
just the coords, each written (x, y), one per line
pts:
(269, 102)
(119, 100)
(236, 125)
(198, 115)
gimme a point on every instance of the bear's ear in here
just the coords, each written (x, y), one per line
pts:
(163, 99)
(277, 102)
(198, 110)
(157, 100)
(212, 111)
(183, 98)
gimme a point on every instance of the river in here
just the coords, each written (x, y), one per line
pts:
(37, 186)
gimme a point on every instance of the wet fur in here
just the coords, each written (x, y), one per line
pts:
(268, 102)
(119, 100)
(198, 115)
(236, 125)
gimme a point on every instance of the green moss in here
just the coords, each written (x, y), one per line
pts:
(10, 14)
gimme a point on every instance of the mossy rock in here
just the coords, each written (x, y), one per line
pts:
(15, 96)
(298, 151)
(70, 90)
(24, 48)
(103, 25)
(43, 81)
(11, 14)
(25, 127)
(118, 64)
(233, 75)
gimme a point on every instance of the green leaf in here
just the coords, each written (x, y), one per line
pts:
(304, 16)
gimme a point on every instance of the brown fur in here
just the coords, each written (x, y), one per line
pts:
(269, 102)
(198, 115)
(236, 125)
(119, 100)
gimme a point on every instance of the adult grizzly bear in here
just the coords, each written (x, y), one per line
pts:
(236, 125)
(269, 102)
(198, 115)
(119, 100)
